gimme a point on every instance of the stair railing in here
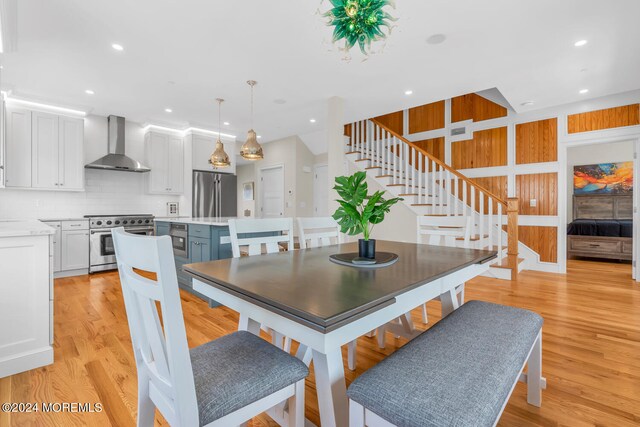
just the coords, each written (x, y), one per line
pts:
(438, 186)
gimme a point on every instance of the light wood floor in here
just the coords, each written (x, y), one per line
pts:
(591, 349)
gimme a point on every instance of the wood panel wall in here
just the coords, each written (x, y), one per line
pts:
(543, 240)
(487, 148)
(537, 142)
(426, 117)
(474, 107)
(394, 121)
(628, 115)
(541, 186)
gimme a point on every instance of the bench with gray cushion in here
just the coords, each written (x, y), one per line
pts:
(460, 372)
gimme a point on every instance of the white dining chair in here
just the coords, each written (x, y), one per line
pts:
(315, 232)
(451, 231)
(274, 231)
(225, 382)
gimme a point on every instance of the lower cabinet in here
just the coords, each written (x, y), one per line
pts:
(70, 247)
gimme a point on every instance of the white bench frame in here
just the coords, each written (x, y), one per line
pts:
(359, 416)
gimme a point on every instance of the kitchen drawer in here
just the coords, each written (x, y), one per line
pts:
(627, 247)
(75, 225)
(197, 230)
(596, 245)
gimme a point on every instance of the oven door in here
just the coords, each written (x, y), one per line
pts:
(101, 251)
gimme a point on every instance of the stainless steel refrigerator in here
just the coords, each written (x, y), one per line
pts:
(214, 195)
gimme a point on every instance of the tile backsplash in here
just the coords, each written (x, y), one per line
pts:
(106, 192)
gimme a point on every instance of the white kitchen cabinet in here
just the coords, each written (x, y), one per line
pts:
(56, 244)
(71, 153)
(75, 249)
(165, 157)
(18, 148)
(45, 166)
(201, 149)
(44, 150)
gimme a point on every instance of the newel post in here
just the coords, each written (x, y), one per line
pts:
(512, 232)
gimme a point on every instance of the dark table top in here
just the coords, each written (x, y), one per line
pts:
(305, 286)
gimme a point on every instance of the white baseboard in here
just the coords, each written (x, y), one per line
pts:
(70, 273)
(26, 361)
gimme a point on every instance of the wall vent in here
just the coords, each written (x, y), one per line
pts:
(458, 131)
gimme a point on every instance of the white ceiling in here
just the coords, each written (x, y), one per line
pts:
(209, 49)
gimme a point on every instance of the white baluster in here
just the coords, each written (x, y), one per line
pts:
(449, 193)
(379, 153)
(474, 225)
(465, 198)
(456, 196)
(407, 174)
(499, 232)
(421, 185)
(434, 189)
(441, 189)
(414, 170)
(482, 218)
(490, 219)
(356, 143)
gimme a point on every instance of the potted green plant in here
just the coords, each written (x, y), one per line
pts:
(359, 211)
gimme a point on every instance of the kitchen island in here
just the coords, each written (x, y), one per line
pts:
(26, 296)
(205, 239)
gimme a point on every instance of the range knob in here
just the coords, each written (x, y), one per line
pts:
(117, 222)
(109, 222)
(99, 223)
(125, 222)
(146, 221)
(139, 221)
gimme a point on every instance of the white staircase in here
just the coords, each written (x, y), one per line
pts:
(430, 187)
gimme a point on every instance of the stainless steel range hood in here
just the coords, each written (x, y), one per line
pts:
(116, 160)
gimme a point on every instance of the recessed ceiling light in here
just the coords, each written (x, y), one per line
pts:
(312, 120)
(436, 39)
(259, 136)
(226, 123)
(89, 92)
(1, 67)
(168, 110)
(117, 47)
(408, 92)
(580, 43)
(583, 91)
(527, 103)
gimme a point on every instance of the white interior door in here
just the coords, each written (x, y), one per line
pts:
(272, 192)
(321, 191)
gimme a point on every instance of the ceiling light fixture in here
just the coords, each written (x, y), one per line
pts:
(226, 123)
(117, 47)
(219, 157)
(312, 120)
(408, 92)
(89, 92)
(251, 150)
(580, 43)
(168, 110)
(583, 91)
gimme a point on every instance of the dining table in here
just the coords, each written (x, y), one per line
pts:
(323, 305)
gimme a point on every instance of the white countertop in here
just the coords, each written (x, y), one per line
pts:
(14, 228)
(215, 221)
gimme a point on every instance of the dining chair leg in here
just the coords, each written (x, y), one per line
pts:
(146, 408)
(460, 290)
(296, 406)
(534, 374)
(249, 325)
(305, 354)
(370, 334)
(352, 351)
(425, 319)
(449, 301)
(356, 414)
(287, 344)
(382, 335)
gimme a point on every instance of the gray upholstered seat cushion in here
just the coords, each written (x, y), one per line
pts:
(458, 373)
(239, 369)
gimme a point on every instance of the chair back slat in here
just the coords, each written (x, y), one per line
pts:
(239, 227)
(318, 231)
(453, 231)
(161, 350)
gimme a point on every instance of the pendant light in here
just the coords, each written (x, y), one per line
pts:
(219, 158)
(251, 150)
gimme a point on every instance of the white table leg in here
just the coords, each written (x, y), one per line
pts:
(449, 301)
(249, 325)
(331, 387)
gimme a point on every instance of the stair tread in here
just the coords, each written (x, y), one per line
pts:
(444, 215)
(373, 167)
(352, 152)
(426, 204)
(407, 194)
(505, 263)
(384, 176)
(475, 237)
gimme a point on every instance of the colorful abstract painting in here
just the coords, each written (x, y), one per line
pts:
(603, 178)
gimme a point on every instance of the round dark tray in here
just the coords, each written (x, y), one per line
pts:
(383, 259)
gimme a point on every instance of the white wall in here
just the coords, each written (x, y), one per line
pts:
(106, 192)
(610, 152)
(246, 173)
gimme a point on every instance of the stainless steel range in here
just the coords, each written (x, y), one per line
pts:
(101, 253)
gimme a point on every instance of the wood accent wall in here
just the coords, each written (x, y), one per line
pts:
(537, 142)
(426, 117)
(543, 240)
(474, 107)
(487, 148)
(393, 121)
(495, 184)
(628, 115)
(541, 186)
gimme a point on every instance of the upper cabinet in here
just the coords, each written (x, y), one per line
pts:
(43, 150)
(165, 158)
(202, 148)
